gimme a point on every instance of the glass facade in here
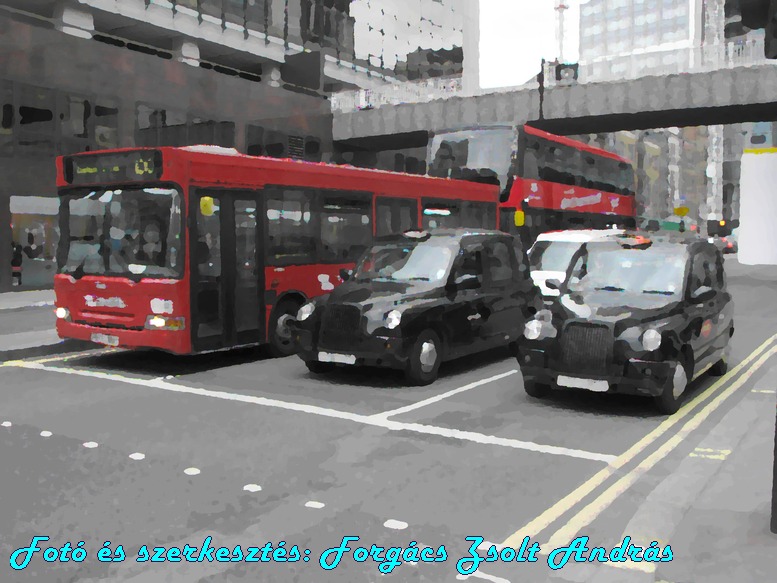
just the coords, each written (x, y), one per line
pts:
(610, 28)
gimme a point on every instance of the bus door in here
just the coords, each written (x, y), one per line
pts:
(227, 278)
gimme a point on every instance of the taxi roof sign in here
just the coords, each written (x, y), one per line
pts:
(420, 235)
(634, 241)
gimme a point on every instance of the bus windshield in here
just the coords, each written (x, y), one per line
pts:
(476, 150)
(132, 232)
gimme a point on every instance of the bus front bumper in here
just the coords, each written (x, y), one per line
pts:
(174, 341)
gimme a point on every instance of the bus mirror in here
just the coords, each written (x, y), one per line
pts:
(206, 206)
(520, 218)
(345, 274)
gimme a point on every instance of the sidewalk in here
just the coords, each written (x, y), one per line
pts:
(27, 326)
(26, 299)
(725, 536)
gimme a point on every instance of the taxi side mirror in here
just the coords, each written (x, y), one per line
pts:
(702, 294)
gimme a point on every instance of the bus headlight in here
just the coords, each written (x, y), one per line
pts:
(651, 340)
(62, 313)
(305, 312)
(163, 323)
(393, 319)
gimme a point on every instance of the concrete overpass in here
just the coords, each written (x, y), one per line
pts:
(725, 96)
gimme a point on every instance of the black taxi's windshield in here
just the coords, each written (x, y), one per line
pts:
(658, 269)
(132, 232)
(411, 261)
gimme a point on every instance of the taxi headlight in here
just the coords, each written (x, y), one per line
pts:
(651, 340)
(393, 319)
(532, 330)
(305, 312)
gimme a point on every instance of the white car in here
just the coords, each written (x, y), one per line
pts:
(550, 258)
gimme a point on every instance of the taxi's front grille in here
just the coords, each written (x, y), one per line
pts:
(586, 347)
(340, 326)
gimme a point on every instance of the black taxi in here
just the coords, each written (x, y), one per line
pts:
(646, 316)
(416, 300)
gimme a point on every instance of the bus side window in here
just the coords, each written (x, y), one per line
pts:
(531, 159)
(588, 171)
(346, 226)
(395, 215)
(478, 215)
(441, 214)
(291, 227)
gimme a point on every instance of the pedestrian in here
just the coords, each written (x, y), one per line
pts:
(16, 262)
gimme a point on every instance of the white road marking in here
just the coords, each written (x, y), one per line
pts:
(137, 456)
(314, 504)
(765, 391)
(90, 444)
(251, 487)
(45, 433)
(395, 524)
(375, 421)
(438, 398)
(7, 424)
(481, 575)
(191, 471)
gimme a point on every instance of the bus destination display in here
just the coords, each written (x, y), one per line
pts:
(137, 166)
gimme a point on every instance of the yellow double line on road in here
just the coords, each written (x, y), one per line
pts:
(589, 513)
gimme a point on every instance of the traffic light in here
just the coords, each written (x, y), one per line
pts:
(567, 72)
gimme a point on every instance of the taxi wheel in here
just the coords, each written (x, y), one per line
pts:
(425, 358)
(670, 399)
(317, 367)
(536, 389)
(281, 339)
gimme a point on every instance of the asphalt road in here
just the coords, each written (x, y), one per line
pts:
(146, 449)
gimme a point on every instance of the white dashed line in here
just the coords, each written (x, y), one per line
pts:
(252, 487)
(438, 398)
(137, 456)
(191, 471)
(90, 444)
(395, 524)
(7, 424)
(372, 420)
(314, 504)
(45, 433)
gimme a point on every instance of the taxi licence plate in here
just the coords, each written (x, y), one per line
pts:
(338, 358)
(595, 385)
(105, 339)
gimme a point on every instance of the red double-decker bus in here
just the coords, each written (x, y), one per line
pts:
(201, 248)
(548, 182)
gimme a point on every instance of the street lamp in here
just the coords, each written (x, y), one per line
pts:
(541, 81)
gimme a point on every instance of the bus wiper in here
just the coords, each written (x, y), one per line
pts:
(610, 288)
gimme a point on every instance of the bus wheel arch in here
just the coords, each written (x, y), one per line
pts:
(279, 334)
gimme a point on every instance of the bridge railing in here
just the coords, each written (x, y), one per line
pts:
(654, 63)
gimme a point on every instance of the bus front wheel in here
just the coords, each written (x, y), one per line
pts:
(281, 338)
